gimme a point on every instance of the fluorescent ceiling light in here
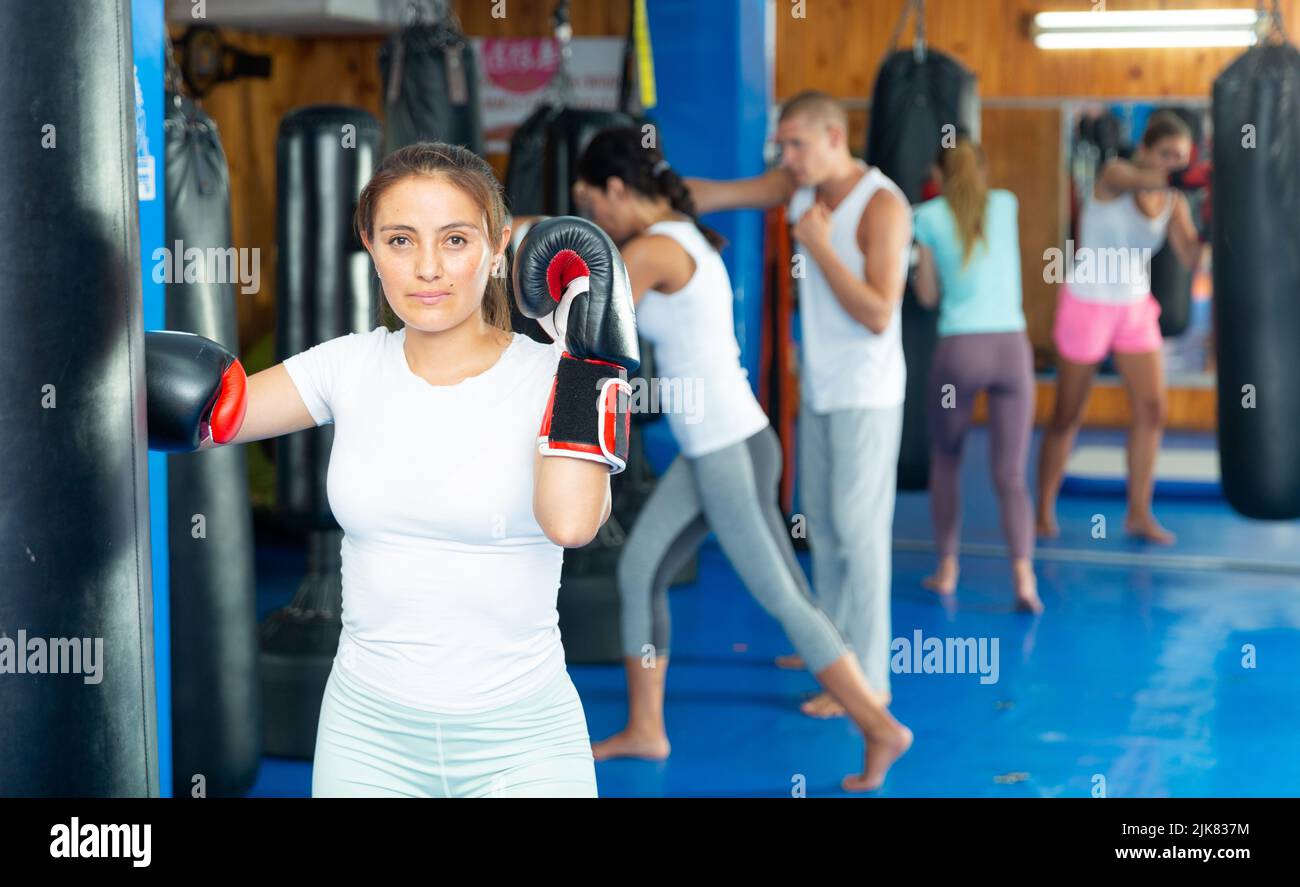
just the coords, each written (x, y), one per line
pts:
(1155, 28)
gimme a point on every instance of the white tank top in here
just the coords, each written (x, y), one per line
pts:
(699, 382)
(1118, 241)
(844, 365)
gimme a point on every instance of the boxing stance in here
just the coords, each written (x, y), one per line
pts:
(1134, 206)
(450, 677)
(969, 265)
(853, 228)
(726, 476)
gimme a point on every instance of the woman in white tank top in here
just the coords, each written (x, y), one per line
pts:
(725, 479)
(1108, 308)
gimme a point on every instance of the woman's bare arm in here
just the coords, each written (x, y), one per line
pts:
(1120, 176)
(926, 281)
(274, 408)
(1183, 236)
(571, 498)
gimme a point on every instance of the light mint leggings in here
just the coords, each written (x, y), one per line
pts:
(367, 746)
(732, 492)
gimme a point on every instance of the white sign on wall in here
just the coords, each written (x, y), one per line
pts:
(514, 73)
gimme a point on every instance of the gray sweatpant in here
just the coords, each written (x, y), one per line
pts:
(848, 464)
(732, 492)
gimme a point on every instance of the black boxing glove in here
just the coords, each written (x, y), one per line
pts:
(569, 276)
(194, 389)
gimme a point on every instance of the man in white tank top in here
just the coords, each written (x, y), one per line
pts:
(854, 232)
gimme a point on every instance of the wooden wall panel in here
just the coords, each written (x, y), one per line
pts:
(1023, 148)
(838, 45)
(247, 112)
(342, 70)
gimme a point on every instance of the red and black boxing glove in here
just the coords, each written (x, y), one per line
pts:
(195, 390)
(569, 276)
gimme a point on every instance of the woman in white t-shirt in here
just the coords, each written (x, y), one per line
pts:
(1109, 309)
(726, 478)
(450, 677)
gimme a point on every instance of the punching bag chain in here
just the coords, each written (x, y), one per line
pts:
(918, 41)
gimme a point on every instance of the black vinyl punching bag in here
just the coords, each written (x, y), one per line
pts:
(216, 704)
(1257, 280)
(75, 581)
(915, 98)
(431, 90)
(1171, 284)
(326, 288)
(527, 159)
(544, 153)
(1171, 280)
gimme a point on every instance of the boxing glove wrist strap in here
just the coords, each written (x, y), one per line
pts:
(588, 413)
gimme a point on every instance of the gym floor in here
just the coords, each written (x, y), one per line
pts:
(1137, 679)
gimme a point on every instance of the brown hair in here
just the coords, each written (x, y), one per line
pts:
(1162, 125)
(819, 106)
(965, 190)
(465, 170)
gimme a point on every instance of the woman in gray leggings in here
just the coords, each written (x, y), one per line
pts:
(970, 256)
(725, 479)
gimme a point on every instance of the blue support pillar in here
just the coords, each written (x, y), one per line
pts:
(148, 40)
(713, 73)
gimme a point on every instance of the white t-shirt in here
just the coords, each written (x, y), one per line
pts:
(701, 385)
(449, 583)
(844, 365)
(1119, 240)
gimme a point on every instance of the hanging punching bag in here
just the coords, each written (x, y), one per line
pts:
(567, 135)
(527, 158)
(431, 90)
(915, 98)
(216, 704)
(326, 288)
(76, 599)
(1171, 281)
(1171, 284)
(1257, 280)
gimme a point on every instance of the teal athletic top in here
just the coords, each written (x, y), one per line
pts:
(983, 295)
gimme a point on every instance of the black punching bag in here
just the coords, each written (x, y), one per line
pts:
(1171, 284)
(918, 99)
(524, 164)
(567, 135)
(1257, 280)
(544, 153)
(326, 288)
(216, 705)
(76, 605)
(1171, 280)
(430, 76)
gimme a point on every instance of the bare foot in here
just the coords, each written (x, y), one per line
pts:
(1026, 585)
(1046, 527)
(824, 705)
(1148, 529)
(882, 751)
(793, 661)
(944, 579)
(650, 746)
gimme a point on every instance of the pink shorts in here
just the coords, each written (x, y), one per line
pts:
(1085, 332)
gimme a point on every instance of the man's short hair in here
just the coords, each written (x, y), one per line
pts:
(818, 106)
